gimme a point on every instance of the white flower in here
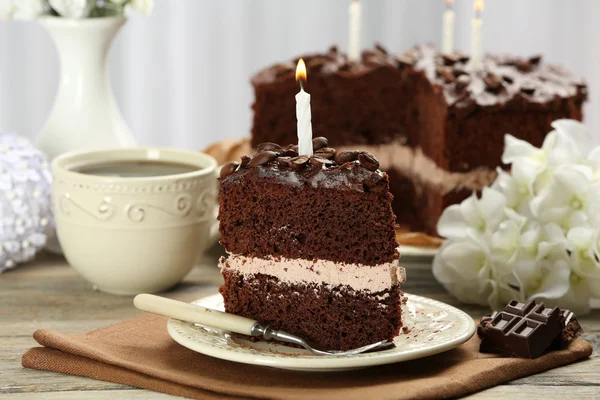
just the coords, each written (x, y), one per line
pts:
(75, 9)
(29, 9)
(143, 6)
(568, 198)
(464, 268)
(583, 256)
(7, 9)
(518, 185)
(473, 214)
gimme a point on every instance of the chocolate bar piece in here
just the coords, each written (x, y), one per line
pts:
(521, 330)
(570, 330)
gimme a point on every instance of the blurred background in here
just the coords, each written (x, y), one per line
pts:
(181, 76)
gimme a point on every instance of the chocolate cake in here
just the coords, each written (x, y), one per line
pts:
(436, 126)
(311, 244)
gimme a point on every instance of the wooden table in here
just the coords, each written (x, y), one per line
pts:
(49, 294)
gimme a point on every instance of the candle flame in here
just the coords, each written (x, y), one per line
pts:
(301, 72)
(478, 5)
(449, 1)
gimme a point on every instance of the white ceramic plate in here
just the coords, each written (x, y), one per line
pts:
(417, 251)
(434, 327)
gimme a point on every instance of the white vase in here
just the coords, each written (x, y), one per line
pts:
(85, 113)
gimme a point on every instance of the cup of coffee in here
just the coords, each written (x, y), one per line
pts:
(134, 220)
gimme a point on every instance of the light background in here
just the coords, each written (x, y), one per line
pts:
(181, 76)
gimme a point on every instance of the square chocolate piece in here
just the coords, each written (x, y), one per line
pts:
(522, 330)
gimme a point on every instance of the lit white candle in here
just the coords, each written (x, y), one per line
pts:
(354, 31)
(476, 48)
(305, 146)
(448, 28)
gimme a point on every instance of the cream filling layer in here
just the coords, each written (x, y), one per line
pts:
(412, 162)
(298, 271)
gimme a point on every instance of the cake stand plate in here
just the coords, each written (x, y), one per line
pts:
(433, 327)
(417, 251)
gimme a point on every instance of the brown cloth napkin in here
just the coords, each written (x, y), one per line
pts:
(140, 353)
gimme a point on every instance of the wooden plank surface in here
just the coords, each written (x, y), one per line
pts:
(49, 294)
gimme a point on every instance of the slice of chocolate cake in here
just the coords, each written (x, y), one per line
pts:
(436, 126)
(311, 245)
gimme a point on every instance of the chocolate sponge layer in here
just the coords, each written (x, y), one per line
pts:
(322, 214)
(335, 318)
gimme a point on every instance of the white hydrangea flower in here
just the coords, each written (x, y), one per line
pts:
(29, 9)
(75, 9)
(535, 234)
(464, 268)
(569, 198)
(473, 214)
(7, 9)
(143, 6)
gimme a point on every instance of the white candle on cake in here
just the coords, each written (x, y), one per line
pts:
(448, 27)
(476, 47)
(354, 31)
(305, 146)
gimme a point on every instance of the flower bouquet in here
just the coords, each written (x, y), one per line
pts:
(535, 233)
(74, 9)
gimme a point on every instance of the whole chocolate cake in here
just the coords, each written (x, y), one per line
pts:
(311, 245)
(436, 126)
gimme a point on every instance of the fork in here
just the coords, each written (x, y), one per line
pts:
(234, 323)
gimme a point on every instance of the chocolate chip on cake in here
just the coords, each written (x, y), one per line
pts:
(368, 161)
(284, 161)
(445, 73)
(269, 146)
(492, 82)
(462, 82)
(463, 58)
(380, 48)
(450, 59)
(508, 79)
(346, 156)
(528, 88)
(523, 65)
(317, 62)
(299, 162)
(326, 152)
(458, 70)
(319, 162)
(262, 158)
(228, 169)
(535, 60)
(245, 161)
(319, 143)
(405, 61)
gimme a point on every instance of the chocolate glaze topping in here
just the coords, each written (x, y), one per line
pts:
(348, 170)
(503, 79)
